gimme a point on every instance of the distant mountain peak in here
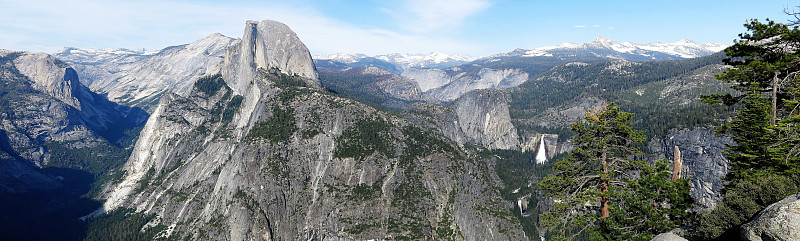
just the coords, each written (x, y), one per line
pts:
(435, 59)
(601, 39)
(604, 47)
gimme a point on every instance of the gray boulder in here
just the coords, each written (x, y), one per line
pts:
(779, 221)
(668, 237)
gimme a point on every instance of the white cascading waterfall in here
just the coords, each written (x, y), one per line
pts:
(541, 156)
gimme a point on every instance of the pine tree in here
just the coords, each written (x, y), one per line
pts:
(596, 191)
(765, 66)
(753, 134)
(765, 161)
(764, 60)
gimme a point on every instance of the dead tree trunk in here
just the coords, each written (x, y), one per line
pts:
(677, 165)
(774, 100)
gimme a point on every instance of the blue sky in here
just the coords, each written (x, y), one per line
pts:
(469, 27)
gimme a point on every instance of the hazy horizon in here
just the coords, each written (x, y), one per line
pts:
(466, 27)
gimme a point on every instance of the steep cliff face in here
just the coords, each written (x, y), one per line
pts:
(266, 45)
(483, 118)
(56, 136)
(480, 118)
(274, 157)
(552, 146)
(44, 102)
(451, 83)
(140, 78)
(397, 86)
(703, 161)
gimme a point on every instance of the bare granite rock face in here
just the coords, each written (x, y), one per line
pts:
(265, 45)
(483, 119)
(480, 118)
(50, 76)
(779, 221)
(428, 78)
(139, 78)
(46, 110)
(705, 165)
(668, 237)
(449, 84)
(275, 157)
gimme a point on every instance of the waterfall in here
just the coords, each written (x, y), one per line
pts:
(541, 156)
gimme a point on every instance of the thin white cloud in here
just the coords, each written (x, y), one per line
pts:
(48, 25)
(595, 26)
(433, 15)
(580, 26)
(610, 28)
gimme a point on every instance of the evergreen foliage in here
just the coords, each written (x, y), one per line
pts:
(281, 79)
(597, 193)
(364, 138)
(750, 156)
(535, 96)
(209, 85)
(353, 84)
(122, 224)
(517, 171)
(740, 203)
(765, 162)
(278, 128)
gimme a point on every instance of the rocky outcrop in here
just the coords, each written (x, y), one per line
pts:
(45, 102)
(428, 78)
(140, 78)
(451, 83)
(483, 119)
(375, 86)
(484, 79)
(265, 45)
(395, 85)
(564, 115)
(779, 221)
(48, 118)
(668, 237)
(479, 118)
(703, 160)
(50, 76)
(277, 158)
(552, 145)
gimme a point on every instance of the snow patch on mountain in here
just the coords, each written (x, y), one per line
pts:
(434, 59)
(139, 77)
(603, 47)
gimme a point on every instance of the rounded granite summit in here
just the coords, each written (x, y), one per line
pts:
(265, 45)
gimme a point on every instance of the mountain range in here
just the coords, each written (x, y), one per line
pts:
(135, 77)
(603, 47)
(600, 47)
(434, 59)
(255, 139)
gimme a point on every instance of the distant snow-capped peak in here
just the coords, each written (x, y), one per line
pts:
(342, 57)
(433, 59)
(97, 56)
(683, 48)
